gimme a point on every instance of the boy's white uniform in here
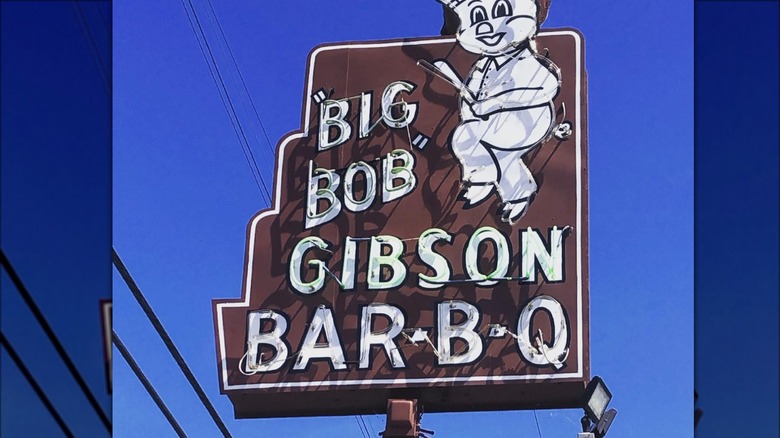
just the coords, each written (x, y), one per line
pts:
(507, 109)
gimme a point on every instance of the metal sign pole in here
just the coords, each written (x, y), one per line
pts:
(403, 419)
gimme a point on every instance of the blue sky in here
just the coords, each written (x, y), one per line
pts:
(183, 195)
(56, 228)
(737, 278)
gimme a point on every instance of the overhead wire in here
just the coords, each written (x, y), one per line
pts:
(94, 50)
(177, 357)
(147, 385)
(218, 78)
(58, 347)
(538, 429)
(230, 107)
(243, 82)
(233, 72)
(373, 432)
(360, 427)
(225, 98)
(365, 426)
(35, 386)
(224, 94)
(105, 21)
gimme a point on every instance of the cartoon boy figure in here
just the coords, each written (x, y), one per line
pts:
(506, 105)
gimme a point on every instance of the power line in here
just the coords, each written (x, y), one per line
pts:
(373, 433)
(6, 263)
(227, 103)
(363, 420)
(362, 432)
(94, 50)
(243, 82)
(226, 100)
(147, 385)
(175, 353)
(538, 429)
(102, 16)
(37, 388)
(232, 72)
(185, 369)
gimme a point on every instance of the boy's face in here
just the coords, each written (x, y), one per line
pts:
(491, 26)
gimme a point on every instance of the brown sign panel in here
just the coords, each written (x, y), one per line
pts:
(396, 264)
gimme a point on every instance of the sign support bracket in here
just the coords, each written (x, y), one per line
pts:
(403, 420)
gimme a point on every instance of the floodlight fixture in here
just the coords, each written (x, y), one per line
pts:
(596, 399)
(597, 419)
(606, 421)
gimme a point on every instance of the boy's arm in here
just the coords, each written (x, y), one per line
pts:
(533, 94)
(444, 70)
